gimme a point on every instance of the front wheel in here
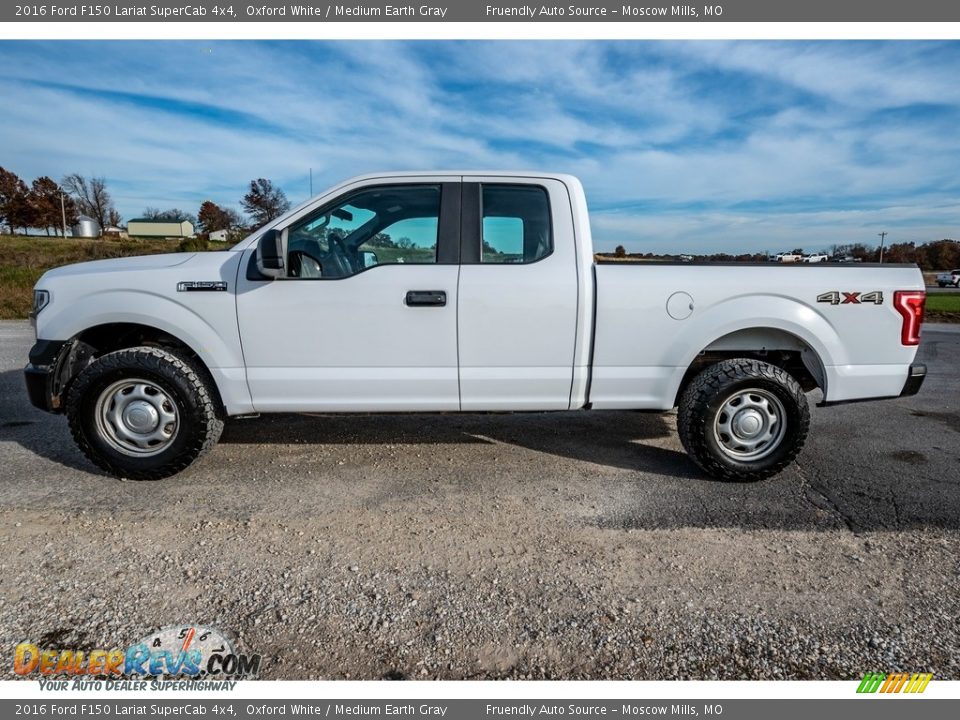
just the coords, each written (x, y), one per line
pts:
(743, 420)
(143, 413)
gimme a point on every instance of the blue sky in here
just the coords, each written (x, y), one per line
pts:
(682, 146)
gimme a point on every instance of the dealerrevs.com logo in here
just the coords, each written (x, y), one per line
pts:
(894, 683)
(190, 651)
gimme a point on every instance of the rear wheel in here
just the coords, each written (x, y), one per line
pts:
(743, 419)
(143, 413)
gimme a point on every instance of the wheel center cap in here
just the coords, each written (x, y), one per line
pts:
(747, 423)
(140, 416)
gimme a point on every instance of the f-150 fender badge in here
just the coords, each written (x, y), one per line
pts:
(851, 298)
(202, 286)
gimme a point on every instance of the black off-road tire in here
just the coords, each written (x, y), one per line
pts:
(707, 393)
(200, 418)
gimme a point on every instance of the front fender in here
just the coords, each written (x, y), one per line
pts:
(212, 335)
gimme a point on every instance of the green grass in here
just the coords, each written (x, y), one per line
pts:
(24, 259)
(943, 302)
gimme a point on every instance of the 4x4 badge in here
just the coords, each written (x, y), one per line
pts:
(851, 298)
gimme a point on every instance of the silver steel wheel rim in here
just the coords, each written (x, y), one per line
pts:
(750, 425)
(137, 417)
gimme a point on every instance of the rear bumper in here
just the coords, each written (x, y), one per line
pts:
(884, 387)
(915, 378)
(40, 374)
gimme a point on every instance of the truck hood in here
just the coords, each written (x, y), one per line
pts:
(138, 262)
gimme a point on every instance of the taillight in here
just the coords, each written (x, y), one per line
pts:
(909, 303)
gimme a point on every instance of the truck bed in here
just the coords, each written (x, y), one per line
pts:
(642, 350)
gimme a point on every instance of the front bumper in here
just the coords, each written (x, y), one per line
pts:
(38, 387)
(41, 375)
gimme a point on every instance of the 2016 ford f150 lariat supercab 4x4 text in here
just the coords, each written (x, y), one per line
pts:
(459, 292)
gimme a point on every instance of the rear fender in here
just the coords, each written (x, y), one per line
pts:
(745, 323)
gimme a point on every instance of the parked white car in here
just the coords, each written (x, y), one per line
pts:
(949, 278)
(816, 258)
(459, 292)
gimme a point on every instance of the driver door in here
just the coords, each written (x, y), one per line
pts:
(365, 318)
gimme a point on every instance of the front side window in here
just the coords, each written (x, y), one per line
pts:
(384, 225)
(516, 224)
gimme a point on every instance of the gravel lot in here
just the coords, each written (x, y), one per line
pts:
(576, 545)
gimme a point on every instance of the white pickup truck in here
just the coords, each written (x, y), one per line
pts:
(460, 292)
(946, 279)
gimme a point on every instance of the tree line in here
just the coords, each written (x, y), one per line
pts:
(46, 204)
(262, 203)
(930, 256)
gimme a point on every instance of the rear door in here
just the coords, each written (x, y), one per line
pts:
(518, 295)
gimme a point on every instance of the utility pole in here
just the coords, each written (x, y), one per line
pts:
(63, 213)
(882, 236)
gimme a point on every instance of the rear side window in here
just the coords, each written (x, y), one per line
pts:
(516, 224)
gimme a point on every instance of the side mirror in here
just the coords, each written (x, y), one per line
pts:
(270, 254)
(368, 258)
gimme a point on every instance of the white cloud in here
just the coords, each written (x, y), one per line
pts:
(811, 138)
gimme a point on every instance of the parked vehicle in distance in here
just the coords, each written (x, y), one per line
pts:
(816, 258)
(459, 292)
(949, 278)
(786, 257)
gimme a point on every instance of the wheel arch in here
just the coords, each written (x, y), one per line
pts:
(773, 345)
(98, 340)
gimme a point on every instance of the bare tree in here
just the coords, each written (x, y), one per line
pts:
(172, 215)
(264, 202)
(91, 197)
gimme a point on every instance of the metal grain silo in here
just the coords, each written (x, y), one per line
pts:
(86, 227)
